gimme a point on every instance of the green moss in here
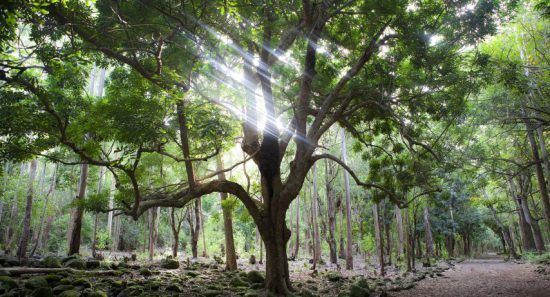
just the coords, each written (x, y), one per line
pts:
(255, 277)
(81, 282)
(36, 282)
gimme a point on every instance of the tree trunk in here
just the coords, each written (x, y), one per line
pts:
(10, 231)
(25, 233)
(341, 250)
(407, 239)
(387, 230)
(349, 250)
(77, 213)
(544, 156)
(230, 254)
(195, 229)
(428, 235)
(540, 174)
(379, 240)
(527, 238)
(400, 234)
(314, 215)
(331, 212)
(111, 205)
(153, 231)
(50, 193)
(96, 216)
(297, 243)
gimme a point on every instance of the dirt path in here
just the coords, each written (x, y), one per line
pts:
(483, 277)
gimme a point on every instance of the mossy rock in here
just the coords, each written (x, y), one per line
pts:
(193, 273)
(82, 282)
(8, 282)
(36, 282)
(237, 282)
(97, 294)
(255, 277)
(53, 278)
(62, 288)
(76, 263)
(7, 261)
(243, 274)
(65, 281)
(51, 262)
(212, 293)
(70, 293)
(42, 292)
(306, 293)
(92, 264)
(334, 276)
(357, 291)
(145, 272)
(68, 258)
(257, 286)
(169, 263)
(173, 288)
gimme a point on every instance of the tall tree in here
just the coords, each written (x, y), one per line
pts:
(230, 253)
(26, 231)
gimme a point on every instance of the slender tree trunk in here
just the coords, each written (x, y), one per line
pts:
(153, 229)
(204, 253)
(341, 250)
(349, 250)
(77, 213)
(540, 175)
(297, 243)
(25, 233)
(196, 229)
(50, 193)
(428, 235)
(537, 234)
(407, 239)
(314, 215)
(44, 242)
(387, 230)
(111, 205)
(331, 212)
(400, 234)
(96, 215)
(527, 238)
(230, 254)
(379, 240)
(10, 231)
(544, 156)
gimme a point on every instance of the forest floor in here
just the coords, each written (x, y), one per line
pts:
(206, 277)
(488, 276)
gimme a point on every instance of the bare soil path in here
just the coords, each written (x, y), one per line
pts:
(483, 277)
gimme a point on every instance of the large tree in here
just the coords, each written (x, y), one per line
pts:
(373, 67)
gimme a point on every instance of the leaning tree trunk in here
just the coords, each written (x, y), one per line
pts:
(349, 250)
(527, 239)
(78, 213)
(230, 254)
(25, 233)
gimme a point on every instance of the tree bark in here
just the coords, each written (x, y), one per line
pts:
(297, 243)
(400, 234)
(77, 213)
(153, 231)
(527, 237)
(14, 213)
(230, 254)
(349, 250)
(314, 215)
(428, 235)
(25, 233)
(96, 215)
(50, 193)
(379, 240)
(331, 212)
